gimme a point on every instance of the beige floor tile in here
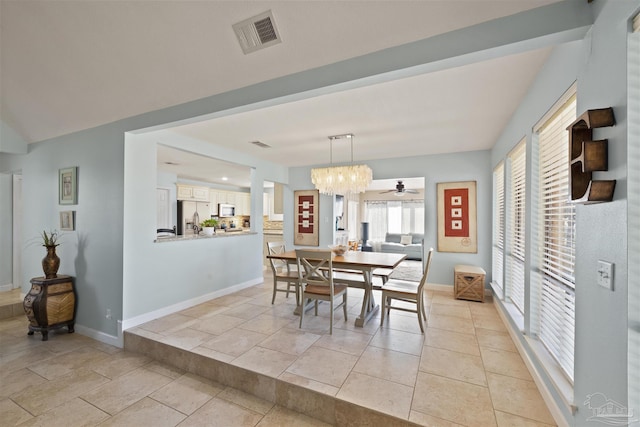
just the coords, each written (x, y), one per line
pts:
(125, 390)
(489, 321)
(265, 324)
(187, 393)
(187, 338)
(220, 413)
(398, 340)
(146, 412)
(429, 421)
(75, 412)
(346, 341)
(21, 357)
(385, 396)
(327, 366)
(218, 324)
(204, 310)
(389, 365)
(451, 323)
(120, 363)
(290, 341)
(86, 357)
(495, 339)
(399, 321)
(235, 341)
(454, 341)
(448, 299)
(457, 401)
(13, 414)
(308, 383)
(282, 417)
(265, 361)
(246, 311)
(246, 400)
(505, 363)
(170, 323)
(39, 398)
(451, 364)
(213, 354)
(232, 300)
(510, 420)
(451, 310)
(164, 369)
(16, 381)
(518, 397)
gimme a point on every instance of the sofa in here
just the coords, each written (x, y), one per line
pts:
(411, 244)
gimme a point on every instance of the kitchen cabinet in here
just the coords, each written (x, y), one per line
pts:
(268, 206)
(242, 201)
(190, 192)
(213, 201)
(277, 199)
(243, 204)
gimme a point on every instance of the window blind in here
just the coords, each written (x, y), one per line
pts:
(555, 216)
(497, 267)
(516, 225)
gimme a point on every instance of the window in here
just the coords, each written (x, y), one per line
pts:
(516, 225)
(497, 267)
(394, 217)
(553, 282)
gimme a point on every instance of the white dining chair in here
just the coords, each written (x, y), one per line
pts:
(407, 292)
(315, 274)
(282, 271)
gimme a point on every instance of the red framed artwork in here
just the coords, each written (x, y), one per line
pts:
(457, 212)
(307, 217)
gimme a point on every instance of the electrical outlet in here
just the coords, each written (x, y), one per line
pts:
(605, 274)
(108, 316)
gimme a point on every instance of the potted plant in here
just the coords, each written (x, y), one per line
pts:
(209, 226)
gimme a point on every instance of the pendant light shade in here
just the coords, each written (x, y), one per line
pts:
(342, 179)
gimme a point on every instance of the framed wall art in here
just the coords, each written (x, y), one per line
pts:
(68, 186)
(457, 217)
(68, 220)
(307, 215)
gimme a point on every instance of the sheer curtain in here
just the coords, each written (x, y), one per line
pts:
(376, 215)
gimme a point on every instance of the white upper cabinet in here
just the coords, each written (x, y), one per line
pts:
(190, 192)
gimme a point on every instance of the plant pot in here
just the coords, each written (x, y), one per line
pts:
(50, 263)
(208, 231)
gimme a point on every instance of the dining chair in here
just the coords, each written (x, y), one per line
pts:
(282, 271)
(408, 292)
(315, 273)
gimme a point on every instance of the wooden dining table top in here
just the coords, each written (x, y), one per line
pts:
(353, 258)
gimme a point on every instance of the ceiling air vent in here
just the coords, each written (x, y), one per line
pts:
(257, 33)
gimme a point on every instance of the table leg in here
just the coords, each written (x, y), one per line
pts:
(369, 306)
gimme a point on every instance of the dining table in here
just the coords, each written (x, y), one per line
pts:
(355, 263)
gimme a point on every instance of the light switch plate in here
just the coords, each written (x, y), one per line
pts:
(605, 274)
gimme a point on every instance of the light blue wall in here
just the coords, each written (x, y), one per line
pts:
(598, 64)
(10, 140)
(6, 219)
(469, 166)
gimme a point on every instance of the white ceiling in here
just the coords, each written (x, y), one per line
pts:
(68, 66)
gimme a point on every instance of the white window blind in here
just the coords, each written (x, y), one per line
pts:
(497, 267)
(554, 283)
(516, 225)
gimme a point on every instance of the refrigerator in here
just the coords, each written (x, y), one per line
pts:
(190, 214)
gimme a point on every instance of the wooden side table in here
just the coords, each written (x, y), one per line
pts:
(50, 304)
(469, 282)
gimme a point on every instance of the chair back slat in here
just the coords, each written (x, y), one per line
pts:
(315, 267)
(423, 280)
(276, 248)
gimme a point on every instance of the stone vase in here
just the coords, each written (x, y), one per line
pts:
(51, 263)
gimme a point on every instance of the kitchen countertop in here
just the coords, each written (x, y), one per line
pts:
(275, 232)
(218, 234)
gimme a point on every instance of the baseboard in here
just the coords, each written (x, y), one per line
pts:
(6, 288)
(439, 288)
(165, 311)
(101, 336)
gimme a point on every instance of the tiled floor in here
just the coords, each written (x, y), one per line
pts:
(464, 370)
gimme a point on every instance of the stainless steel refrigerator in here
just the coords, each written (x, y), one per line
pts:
(191, 214)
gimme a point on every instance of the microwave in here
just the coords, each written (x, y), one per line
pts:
(225, 210)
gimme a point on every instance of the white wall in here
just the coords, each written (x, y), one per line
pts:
(6, 226)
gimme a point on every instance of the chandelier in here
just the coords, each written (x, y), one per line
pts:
(341, 179)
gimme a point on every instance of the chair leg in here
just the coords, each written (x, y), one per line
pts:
(331, 317)
(384, 308)
(419, 313)
(275, 285)
(344, 305)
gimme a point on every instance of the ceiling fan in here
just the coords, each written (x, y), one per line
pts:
(400, 190)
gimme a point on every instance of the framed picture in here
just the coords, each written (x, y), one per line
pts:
(307, 216)
(68, 220)
(457, 217)
(68, 186)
